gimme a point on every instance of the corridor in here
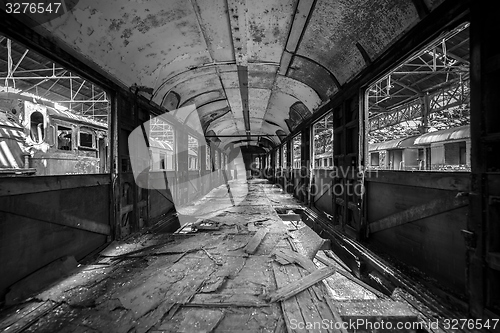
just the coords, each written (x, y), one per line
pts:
(219, 280)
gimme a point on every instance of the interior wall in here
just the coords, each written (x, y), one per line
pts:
(434, 245)
(44, 221)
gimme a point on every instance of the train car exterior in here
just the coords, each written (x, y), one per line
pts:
(445, 150)
(39, 139)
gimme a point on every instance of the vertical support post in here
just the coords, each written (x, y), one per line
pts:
(425, 113)
(483, 228)
(305, 162)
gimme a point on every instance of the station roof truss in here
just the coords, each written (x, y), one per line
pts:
(433, 80)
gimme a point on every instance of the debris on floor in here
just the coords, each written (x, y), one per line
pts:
(236, 269)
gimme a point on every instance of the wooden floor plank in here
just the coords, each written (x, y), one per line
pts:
(254, 243)
(291, 309)
(301, 284)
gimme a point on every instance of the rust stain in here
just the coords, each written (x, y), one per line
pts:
(256, 32)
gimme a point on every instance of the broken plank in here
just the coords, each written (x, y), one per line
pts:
(301, 285)
(254, 243)
(294, 257)
(290, 307)
(314, 294)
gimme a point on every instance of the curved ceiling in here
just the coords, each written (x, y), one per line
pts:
(242, 63)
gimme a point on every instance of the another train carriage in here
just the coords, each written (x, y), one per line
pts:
(324, 161)
(397, 154)
(162, 154)
(40, 139)
(445, 150)
(14, 153)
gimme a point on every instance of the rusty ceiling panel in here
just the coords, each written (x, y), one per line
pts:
(237, 10)
(214, 116)
(134, 41)
(215, 24)
(299, 90)
(194, 48)
(268, 24)
(234, 98)
(205, 97)
(206, 109)
(167, 84)
(314, 76)
(335, 28)
(261, 76)
(224, 125)
(278, 108)
(196, 85)
(258, 103)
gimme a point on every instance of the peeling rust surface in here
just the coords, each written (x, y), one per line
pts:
(313, 76)
(193, 48)
(335, 27)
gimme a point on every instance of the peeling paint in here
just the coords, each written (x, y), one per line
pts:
(193, 47)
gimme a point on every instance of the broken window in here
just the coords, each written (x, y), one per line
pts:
(216, 160)
(208, 160)
(192, 153)
(323, 142)
(162, 142)
(296, 154)
(64, 138)
(163, 158)
(374, 159)
(86, 139)
(37, 129)
(51, 102)
(277, 156)
(285, 152)
(419, 112)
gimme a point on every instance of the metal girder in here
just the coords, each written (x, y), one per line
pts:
(455, 95)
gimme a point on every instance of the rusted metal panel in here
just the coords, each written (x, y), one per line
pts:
(428, 209)
(234, 98)
(165, 37)
(166, 84)
(261, 76)
(314, 76)
(302, 12)
(335, 28)
(258, 100)
(215, 23)
(299, 90)
(268, 23)
(24, 185)
(31, 240)
(195, 85)
(205, 97)
(433, 244)
(278, 108)
(453, 181)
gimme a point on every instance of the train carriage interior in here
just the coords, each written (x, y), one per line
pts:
(249, 166)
